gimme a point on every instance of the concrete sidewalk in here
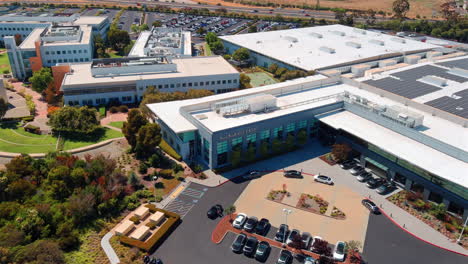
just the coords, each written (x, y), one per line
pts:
(106, 246)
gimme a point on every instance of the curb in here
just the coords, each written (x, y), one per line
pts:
(421, 239)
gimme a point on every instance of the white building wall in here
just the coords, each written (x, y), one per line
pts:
(24, 29)
(51, 55)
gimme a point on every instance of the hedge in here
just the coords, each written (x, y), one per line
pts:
(172, 221)
(169, 150)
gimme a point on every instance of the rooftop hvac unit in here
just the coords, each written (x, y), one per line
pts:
(291, 39)
(400, 40)
(327, 49)
(412, 59)
(316, 35)
(360, 31)
(338, 33)
(377, 42)
(353, 44)
(434, 80)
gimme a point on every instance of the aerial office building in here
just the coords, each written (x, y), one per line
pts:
(46, 47)
(160, 41)
(22, 24)
(125, 80)
(398, 135)
(323, 47)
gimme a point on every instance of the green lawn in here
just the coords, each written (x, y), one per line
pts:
(15, 139)
(4, 62)
(117, 124)
(113, 54)
(260, 78)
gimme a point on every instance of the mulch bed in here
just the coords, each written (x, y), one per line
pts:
(326, 160)
(276, 195)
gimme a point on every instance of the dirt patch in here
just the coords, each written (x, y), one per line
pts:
(276, 195)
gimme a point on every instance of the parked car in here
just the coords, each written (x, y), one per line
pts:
(239, 221)
(215, 211)
(365, 176)
(262, 227)
(252, 174)
(371, 206)
(375, 182)
(291, 236)
(306, 238)
(250, 224)
(263, 250)
(239, 243)
(323, 179)
(250, 246)
(339, 251)
(386, 188)
(310, 260)
(285, 257)
(348, 164)
(356, 170)
(282, 233)
(292, 174)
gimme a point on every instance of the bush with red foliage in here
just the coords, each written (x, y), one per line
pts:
(321, 247)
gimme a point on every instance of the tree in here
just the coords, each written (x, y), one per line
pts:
(340, 152)
(217, 47)
(290, 142)
(3, 107)
(250, 153)
(72, 119)
(148, 138)
(273, 68)
(211, 37)
(134, 28)
(41, 79)
(252, 29)
(135, 121)
(354, 245)
(18, 190)
(321, 247)
(118, 39)
(302, 137)
(81, 206)
(449, 10)
(236, 157)
(99, 47)
(157, 23)
(241, 55)
(277, 146)
(244, 81)
(144, 27)
(400, 8)
(264, 148)
(230, 210)
(41, 252)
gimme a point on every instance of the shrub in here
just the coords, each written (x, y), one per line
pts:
(419, 204)
(114, 109)
(32, 129)
(132, 206)
(166, 173)
(143, 168)
(151, 225)
(450, 227)
(323, 210)
(177, 167)
(123, 109)
(102, 111)
(135, 219)
(27, 118)
(169, 150)
(411, 196)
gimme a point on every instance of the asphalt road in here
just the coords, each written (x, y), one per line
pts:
(191, 241)
(388, 244)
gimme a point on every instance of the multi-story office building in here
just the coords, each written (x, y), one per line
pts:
(161, 41)
(125, 80)
(46, 47)
(408, 125)
(23, 24)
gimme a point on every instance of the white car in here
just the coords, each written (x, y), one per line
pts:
(239, 221)
(323, 179)
(339, 251)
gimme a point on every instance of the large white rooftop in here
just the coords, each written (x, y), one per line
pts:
(324, 47)
(186, 67)
(83, 37)
(89, 20)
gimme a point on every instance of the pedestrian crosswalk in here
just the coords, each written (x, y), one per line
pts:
(179, 207)
(193, 193)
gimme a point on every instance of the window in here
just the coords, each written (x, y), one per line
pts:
(229, 81)
(76, 60)
(172, 85)
(65, 60)
(218, 82)
(236, 141)
(47, 53)
(166, 86)
(195, 83)
(202, 83)
(224, 81)
(222, 147)
(189, 84)
(86, 59)
(278, 132)
(48, 61)
(85, 51)
(79, 51)
(265, 134)
(302, 124)
(435, 197)
(69, 52)
(74, 51)
(178, 85)
(55, 61)
(290, 127)
(53, 52)
(212, 82)
(59, 60)
(160, 86)
(251, 138)
(184, 85)
(455, 208)
(81, 59)
(58, 52)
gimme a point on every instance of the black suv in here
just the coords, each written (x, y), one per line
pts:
(375, 182)
(215, 211)
(239, 243)
(250, 224)
(250, 246)
(282, 233)
(292, 174)
(262, 227)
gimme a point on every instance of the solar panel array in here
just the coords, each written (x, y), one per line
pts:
(406, 88)
(452, 105)
(461, 63)
(417, 73)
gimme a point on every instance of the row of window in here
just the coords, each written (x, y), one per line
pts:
(100, 101)
(68, 60)
(16, 29)
(63, 52)
(194, 84)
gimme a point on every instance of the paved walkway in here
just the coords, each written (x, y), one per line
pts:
(116, 117)
(106, 246)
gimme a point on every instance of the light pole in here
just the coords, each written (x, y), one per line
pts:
(461, 233)
(286, 213)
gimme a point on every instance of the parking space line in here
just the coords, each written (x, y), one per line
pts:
(193, 193)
